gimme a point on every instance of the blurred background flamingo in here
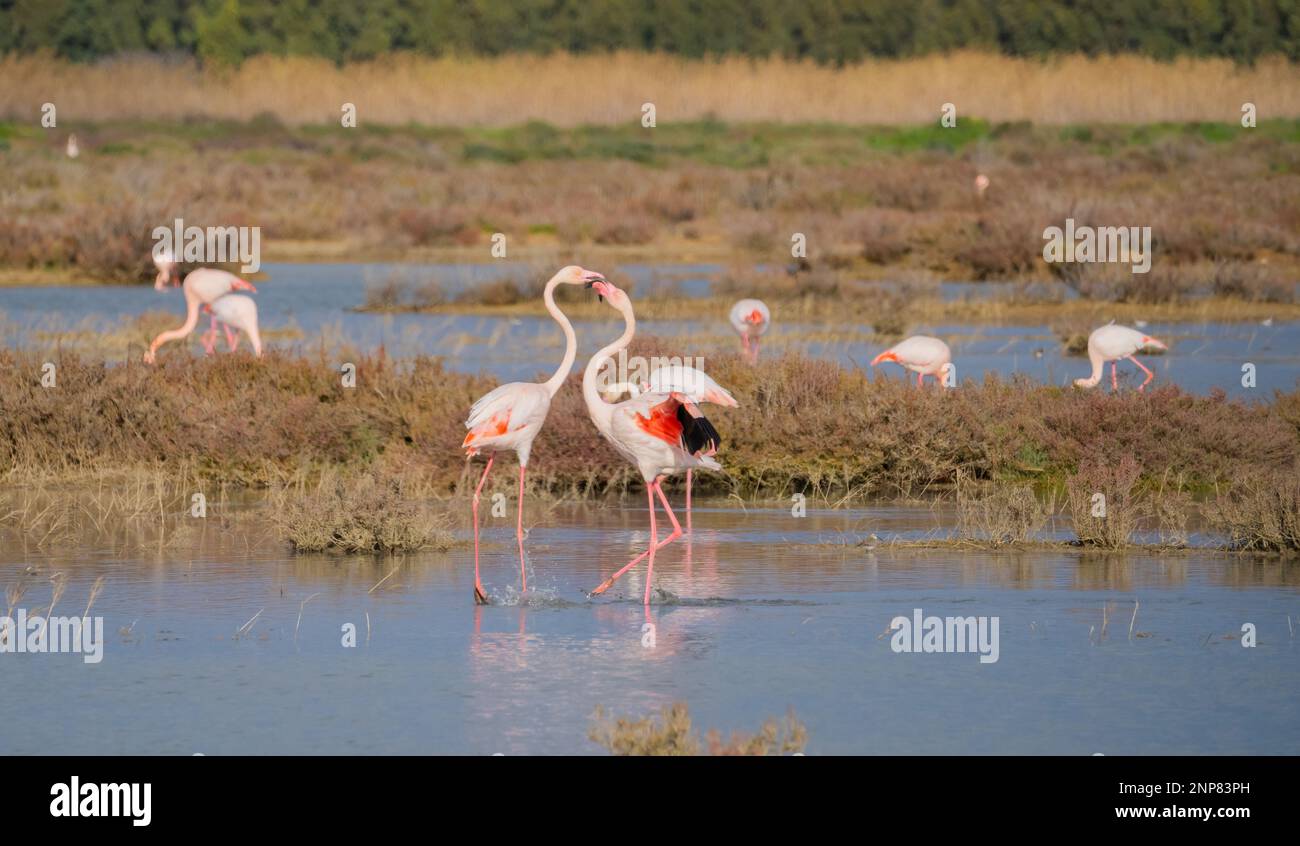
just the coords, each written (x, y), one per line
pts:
(750, 318)
(921, 354)
(510, 416)
(203, 287)
(1111, 343)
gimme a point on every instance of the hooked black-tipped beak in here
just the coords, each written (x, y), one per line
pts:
(591, 283)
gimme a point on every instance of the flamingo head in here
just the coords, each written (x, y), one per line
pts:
(574, 275)
(1152, 343)
(887, 355)
(166, 264)
(606, 290)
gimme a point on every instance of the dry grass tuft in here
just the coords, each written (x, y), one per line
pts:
(672, 734)
(361, 515)
(1261, 512)
(997, 514)
(1104, 502)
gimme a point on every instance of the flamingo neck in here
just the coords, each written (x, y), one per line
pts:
(601, 411)
(1098, 364)
(553, 384)
(191, 320)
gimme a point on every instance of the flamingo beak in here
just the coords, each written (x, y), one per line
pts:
(1152, 342)
(600, 285)
(887, 355)
(241, 285)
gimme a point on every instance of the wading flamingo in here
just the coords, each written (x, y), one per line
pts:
(1111, 343)
(237, 313)
(921, 354)
(208, 283)
(695, 385)
(660, 433)
(750, 319)
(202, 287)
(510, 416)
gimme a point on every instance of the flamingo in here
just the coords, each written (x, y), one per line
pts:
(1111, 343)
(236, 313)
(750, 319)
(204, 287)
(510, 416)
(695, 385)
(660, 433)
(921, 354)
(981, 185)
(208, 284)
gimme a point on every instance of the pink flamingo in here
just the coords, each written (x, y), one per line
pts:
(203, 287)
(237, 313)
(660, 433)
(981, 185)
(921, 354)
(510, 416)
(695, 385)
(750, 319)
(1111, 343)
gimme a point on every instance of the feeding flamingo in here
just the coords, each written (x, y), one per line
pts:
(921, 354)
(205, 287)
(660, 433)
(208, 284)
(750, 318)
(695, 385)
(510, 416)
(1111, 343)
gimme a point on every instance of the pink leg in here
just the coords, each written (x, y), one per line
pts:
(232, 338)
(1145, 370)
(654, 540)
(480, 598)
(1114, 375)
(744, 345)
(519, 533)
(920, 380)
(688, 500)
(755, 348)
(676, 533)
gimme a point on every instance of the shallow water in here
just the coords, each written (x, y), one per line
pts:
(757, 613)
(316, 301)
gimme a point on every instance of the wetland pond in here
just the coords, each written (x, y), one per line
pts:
(229, 643)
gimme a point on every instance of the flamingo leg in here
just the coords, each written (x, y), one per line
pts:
(232, 338)
(480, 598)
(519, 533)
(1145, 370)
(1114, 375)
(654, 540)
(920, 380)
(744, 344)
(755, 353)
(688, 500)
(676, 533)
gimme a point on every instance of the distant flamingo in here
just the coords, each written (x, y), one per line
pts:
(981, 186)
(660, 433)
(1111, 343)
(510, 416)
(237, 313)
(208, 284)
(750, 318)
(203, 287)
(695, 385)
(921, 354)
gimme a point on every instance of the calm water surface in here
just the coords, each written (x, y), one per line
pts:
(759, 612)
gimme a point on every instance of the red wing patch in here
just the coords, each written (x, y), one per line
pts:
(663, 423)
(495, 426)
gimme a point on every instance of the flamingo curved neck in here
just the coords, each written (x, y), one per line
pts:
(1098, 365)
(601, 411)
(191, 320)
(553, 384)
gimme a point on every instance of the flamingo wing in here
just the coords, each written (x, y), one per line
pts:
(695, 384)
(506, 409)
(670, 418)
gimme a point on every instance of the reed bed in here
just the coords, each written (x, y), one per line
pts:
(671, 733)
(568, 90)
(804, 425)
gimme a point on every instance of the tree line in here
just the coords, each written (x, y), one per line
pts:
(826, 31)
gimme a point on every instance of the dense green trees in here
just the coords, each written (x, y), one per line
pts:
(832, 31)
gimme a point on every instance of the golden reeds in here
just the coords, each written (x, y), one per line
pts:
(567, 90)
